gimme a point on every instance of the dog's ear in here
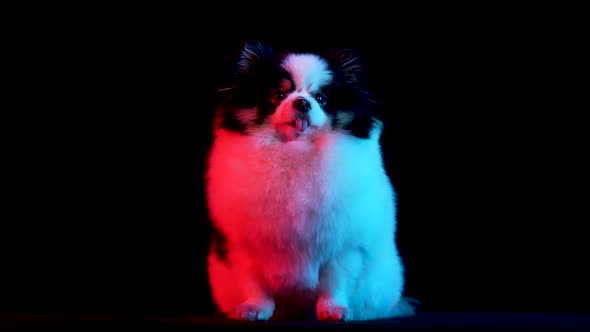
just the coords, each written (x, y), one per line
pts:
(253, 55)
(245, 62)
(347, 66)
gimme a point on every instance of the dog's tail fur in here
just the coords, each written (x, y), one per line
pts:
(407, 307)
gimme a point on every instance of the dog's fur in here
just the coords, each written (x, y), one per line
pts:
(300, 201)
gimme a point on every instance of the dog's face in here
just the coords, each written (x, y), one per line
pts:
(297, 95)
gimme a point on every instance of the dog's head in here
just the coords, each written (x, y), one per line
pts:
(297, 94)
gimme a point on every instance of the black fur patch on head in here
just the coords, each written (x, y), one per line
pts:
(349, 100)
(257, 73)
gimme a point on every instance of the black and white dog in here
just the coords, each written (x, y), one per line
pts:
(298, 195)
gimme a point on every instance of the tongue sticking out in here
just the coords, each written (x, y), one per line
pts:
(301, 124)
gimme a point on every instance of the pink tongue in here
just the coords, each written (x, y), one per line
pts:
(301, 124)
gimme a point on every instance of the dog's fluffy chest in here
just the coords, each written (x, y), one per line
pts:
(289, 197)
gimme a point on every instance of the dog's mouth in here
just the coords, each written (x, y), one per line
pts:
(300, 124)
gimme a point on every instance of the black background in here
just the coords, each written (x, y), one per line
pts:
(105, 210)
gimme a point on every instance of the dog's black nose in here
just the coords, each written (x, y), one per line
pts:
(302, 104)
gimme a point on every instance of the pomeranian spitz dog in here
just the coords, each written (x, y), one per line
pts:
(302, 209)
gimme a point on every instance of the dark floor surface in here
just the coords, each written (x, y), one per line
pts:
(424, 321)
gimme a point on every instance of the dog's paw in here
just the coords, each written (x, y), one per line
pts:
(253, 311)
(328, 311)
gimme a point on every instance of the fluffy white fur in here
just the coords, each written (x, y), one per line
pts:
(308, 71)
(310, 214)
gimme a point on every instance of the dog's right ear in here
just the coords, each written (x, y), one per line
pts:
(253, 55)
(246, 62)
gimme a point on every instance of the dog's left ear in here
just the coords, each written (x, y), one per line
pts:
(347, 66)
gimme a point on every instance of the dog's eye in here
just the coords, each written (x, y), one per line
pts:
(277, 96)
(321, 98)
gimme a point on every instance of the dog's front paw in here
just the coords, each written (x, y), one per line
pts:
(253, 310)
(329, 311)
